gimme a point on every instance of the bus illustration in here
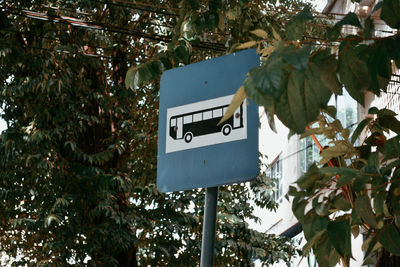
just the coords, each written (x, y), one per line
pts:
(196, 124)
(204, 122)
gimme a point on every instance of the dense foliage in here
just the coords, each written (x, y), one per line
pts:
(355, 192)
(78, 159)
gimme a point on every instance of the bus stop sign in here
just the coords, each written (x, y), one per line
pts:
(193, 150)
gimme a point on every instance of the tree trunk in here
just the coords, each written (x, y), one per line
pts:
(128, 258)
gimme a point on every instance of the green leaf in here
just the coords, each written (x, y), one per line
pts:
(353, 71)
(325, 253)
(363, 207)
(344, 180)
(350, 19)
(379, 202)
(322, 70)
(339, 171)
(387, 170)
(293, 191)
(379, 65)
(156, 68)
(360, 181)
(389, 237)
(312, 176)
(267, 85)
(346, 175)
(313, 223)
(183, 53)
(373, 164)
(298, 208)
(296, 96)
(392, 148)
(386, 112)
(166, 62)
(390, 122)
(265, 81)
(339, 233)
(144, 75)
(314, 241)
(296, 57)
(355, 219)
(297, 107)
(371, 245)
(296, 27)
(341, 203)
(359, 129)
(391, 13)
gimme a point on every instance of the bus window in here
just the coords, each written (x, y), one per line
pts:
(217, 113)
(173, 122)
(207, 115)
(187, 119)
(197, 117)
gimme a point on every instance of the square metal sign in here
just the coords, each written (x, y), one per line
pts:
(193, 150)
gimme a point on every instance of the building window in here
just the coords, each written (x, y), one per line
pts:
(347, 114)
(309, 152)
(275, 172)
(346, 108)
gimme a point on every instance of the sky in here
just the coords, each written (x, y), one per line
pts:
(319, 4)
(2, 125)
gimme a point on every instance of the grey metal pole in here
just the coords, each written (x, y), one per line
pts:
(209, 224)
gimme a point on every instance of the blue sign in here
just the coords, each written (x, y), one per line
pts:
(193, 150)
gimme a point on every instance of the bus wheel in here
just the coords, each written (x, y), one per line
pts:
(226, 130)
(188, 137)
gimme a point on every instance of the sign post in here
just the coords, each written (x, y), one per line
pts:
(193, 150)
(209, 224)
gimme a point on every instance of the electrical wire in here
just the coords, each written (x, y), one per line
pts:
(111, 28)
(75, 12)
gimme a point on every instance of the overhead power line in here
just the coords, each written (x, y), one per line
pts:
(109, 28)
